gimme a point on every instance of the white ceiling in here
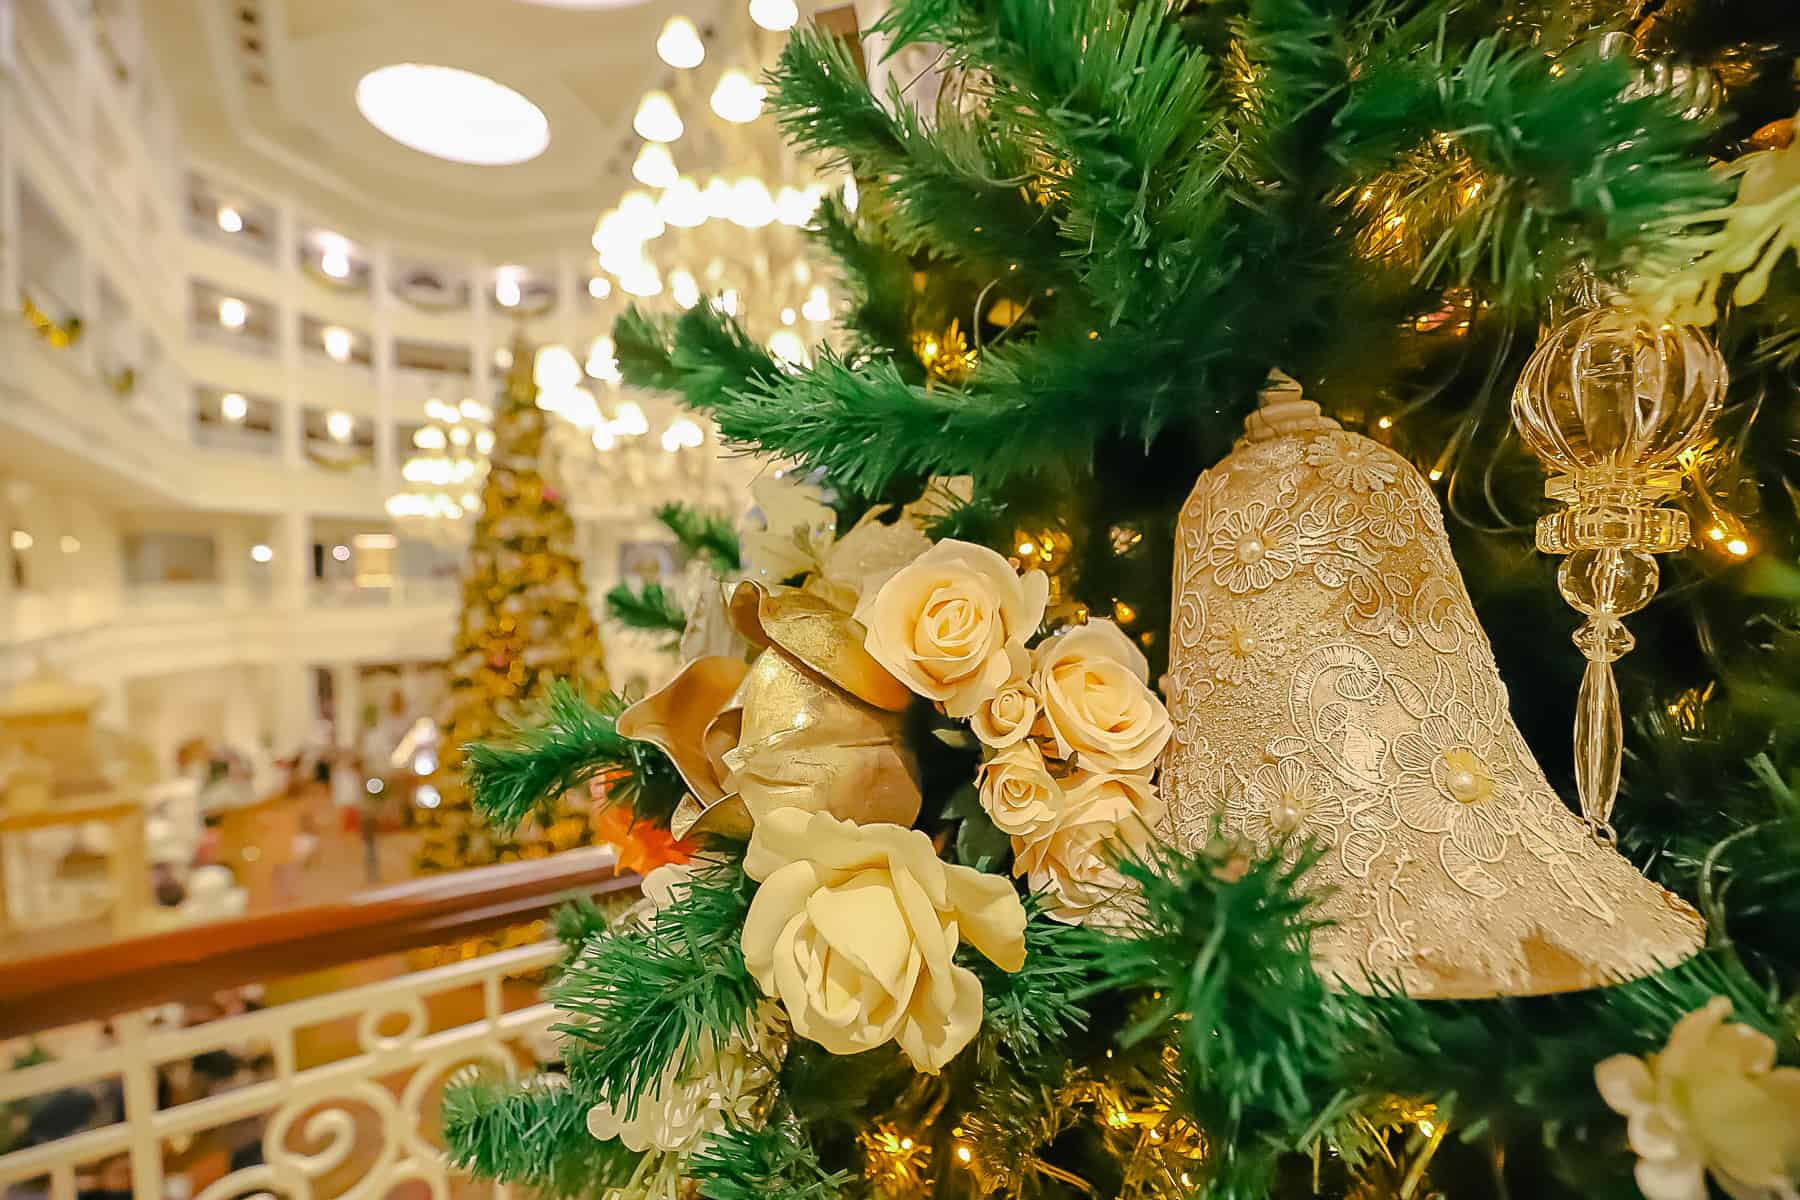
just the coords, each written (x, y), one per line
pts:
(266, 90)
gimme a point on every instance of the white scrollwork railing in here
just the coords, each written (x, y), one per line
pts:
(309, 1114)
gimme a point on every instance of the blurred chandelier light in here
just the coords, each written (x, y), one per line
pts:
(340, 426)
(442, 478)
(682, 205)
(713, 230)
(654, 166)
(786, 345)
(230, 220)
(776, 16)
(506, 287)
(679, 44)
(334, 256)
(682, 434)
(233, 407)
(599, 287)
(453, 114)
(602, 362)
(751, 205)
(337, 343)
(657, 119)
(233, 313)
(737, 98)
(683, 287)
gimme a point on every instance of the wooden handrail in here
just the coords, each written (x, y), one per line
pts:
(100, 981)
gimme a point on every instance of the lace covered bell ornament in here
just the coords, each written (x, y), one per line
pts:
(1329, 680)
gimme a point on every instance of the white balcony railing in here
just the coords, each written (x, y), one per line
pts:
(317, 1121)
(343, 1098)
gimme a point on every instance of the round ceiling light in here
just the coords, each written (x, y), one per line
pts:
(453, 114)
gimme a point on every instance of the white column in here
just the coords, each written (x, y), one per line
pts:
(570, 292)
(87, 300)
(346, 691)
(296, 710)
(293, 560)
(7, 525)
(9, 187)
(380, 278)
(241, 726)
(231, 550)
(482, 322)
(287, 334)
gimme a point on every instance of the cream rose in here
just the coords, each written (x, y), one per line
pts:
(1073, 861)
(1097, 705)
(1017, 791)
(944, 622)
(1006, 718)
(855, 929)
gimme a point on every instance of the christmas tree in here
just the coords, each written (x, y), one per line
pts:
(978, 916)
(524, 623)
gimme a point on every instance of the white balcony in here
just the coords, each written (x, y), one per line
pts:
(345, 1099)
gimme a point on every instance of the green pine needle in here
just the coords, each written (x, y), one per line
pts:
(569, 742)
(703, 534)
(534, 1134)
(647, 994)
(775, 1162)
(578, 922)
(1227, 942)
(651, 609)
(1036, 1008)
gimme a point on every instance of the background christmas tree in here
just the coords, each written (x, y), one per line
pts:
(1068, 279)
(524, 622)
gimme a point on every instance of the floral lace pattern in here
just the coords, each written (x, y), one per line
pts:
(1240, 649)
(1329, 681)
(1252, 548)
(1350, 462)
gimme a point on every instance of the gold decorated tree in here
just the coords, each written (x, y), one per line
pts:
(524, 622)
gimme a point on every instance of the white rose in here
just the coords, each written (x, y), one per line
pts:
(943, 623)
(1017, 791)
(1712, 1101)
(855, 929)
(1097, 705)
(1073, 861)
(1005, 718)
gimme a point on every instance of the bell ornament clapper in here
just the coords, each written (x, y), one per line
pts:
(1609, 402)
(1329, 681)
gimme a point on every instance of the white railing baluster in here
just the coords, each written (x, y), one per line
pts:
(138, 1074)
(310, 1113)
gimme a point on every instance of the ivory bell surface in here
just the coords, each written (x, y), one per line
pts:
(1328, 679)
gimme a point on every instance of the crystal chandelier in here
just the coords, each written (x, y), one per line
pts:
(614, 454)
(442, 477)
(723, 198)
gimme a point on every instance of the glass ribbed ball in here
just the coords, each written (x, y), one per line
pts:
(1613, 390)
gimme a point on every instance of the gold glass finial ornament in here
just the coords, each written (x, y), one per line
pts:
(1329, 683)
(1609, 401)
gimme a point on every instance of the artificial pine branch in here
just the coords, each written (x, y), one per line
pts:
(1037, 1008)
(534, 1134)
(650, 609)
(774, 1162)
(567, 743)
(1567, 166)
(578, 922)
(648, 994)
(703, 534)
(955, 189)
(703, 354)
(878, 277)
